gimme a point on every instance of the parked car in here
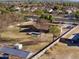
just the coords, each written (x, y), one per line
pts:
(68, 26)
(33, 33)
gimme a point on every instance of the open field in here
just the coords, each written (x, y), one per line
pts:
(30, 42)
(62, 51)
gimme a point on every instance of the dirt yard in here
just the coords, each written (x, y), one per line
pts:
(62, 51)
(30, 42)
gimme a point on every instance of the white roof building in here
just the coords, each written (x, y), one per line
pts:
(69, 11)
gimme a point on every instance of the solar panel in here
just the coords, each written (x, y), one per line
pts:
(15, 52)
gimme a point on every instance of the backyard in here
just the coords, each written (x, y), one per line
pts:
(30, 42)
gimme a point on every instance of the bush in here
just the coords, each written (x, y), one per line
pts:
(76, 14)
(55, 30)
(48, 17)
(39, 12)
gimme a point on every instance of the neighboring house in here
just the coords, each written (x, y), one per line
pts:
(32, 18)
(33, 9)
(74, 9)
(18, 9)
(70, 16)
(38, 26)
(68, 26)
(26, 9)
(69, 11)
(50, 10)
(59, 11)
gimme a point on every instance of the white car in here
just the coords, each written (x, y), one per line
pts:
(34, 33)
(67, 26)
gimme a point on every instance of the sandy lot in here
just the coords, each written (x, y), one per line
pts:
(62, 51)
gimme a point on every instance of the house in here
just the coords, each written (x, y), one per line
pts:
(33, 9)
(69, 11)
(32, 18)
(38, 26)
(18, 9)
(59, 11)
(70, 16)
(68, 26)
(74, 9)
(26, 9)
(50, 10)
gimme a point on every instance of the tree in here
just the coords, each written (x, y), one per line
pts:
(76, 14)
(39, 12)
(55, 30)
(58, 7)
(50, 17)
(47, 17)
